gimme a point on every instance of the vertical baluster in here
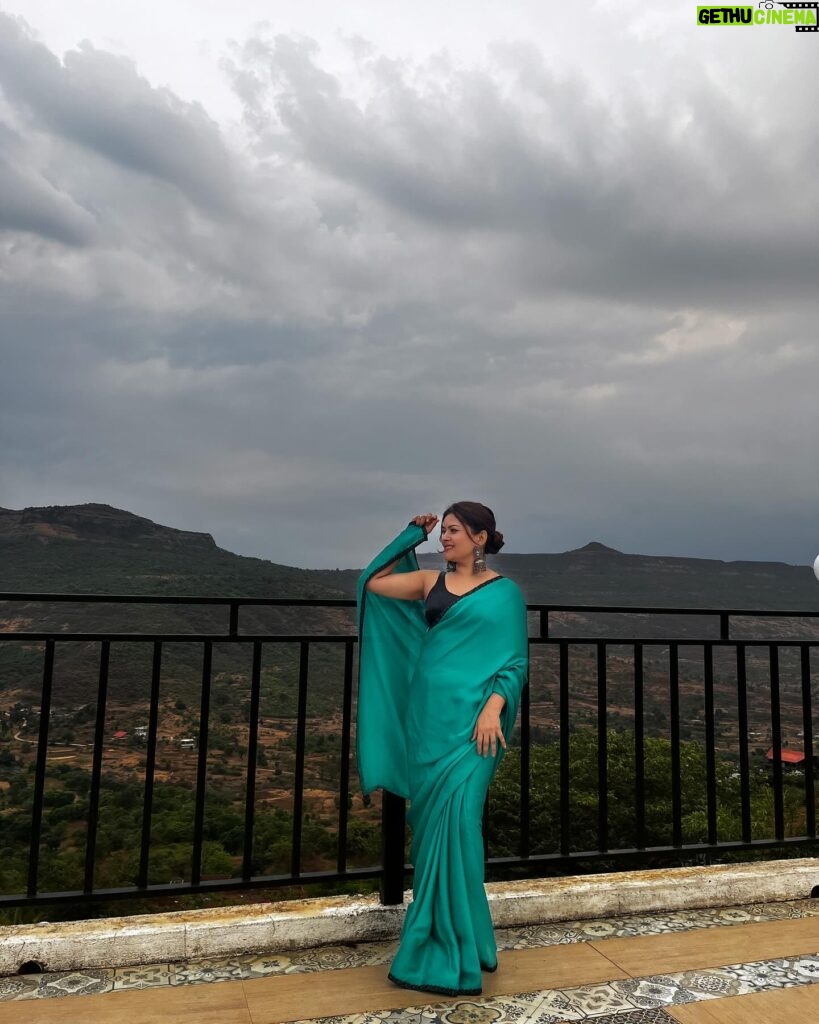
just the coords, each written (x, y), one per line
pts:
(150, 767)
(710, 755)
(202, 766)
(298, 789)
(39, 773)
(674, 699)
(807, 727)
(393, 833)
(564, 748)
(96, 769)
(639, 749)
(252, 758)
(344, 788)
(744, 760)
(776, 734)
(602, 751)
(525, 772)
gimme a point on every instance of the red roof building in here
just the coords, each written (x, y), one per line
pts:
(787, 756)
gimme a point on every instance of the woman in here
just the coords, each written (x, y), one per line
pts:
(442, 662)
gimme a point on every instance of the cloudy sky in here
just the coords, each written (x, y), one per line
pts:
(293, 273)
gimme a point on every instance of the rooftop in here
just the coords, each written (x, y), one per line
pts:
(748, 963)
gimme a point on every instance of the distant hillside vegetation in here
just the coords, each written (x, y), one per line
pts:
(97, 549)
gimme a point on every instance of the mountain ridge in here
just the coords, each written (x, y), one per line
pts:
(89, 521)
(93, 522)
(97, 548)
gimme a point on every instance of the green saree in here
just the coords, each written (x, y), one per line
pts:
(420, 692)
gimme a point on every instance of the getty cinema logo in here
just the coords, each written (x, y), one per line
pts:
(803, 16)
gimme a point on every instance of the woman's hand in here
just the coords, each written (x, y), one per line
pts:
(428, 522)
(487, 729)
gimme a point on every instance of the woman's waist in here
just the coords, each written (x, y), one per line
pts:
(451, 683)
(455, 658)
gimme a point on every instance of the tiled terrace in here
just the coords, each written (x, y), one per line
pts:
(751, 964)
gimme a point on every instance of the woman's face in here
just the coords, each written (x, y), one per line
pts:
(457, 544)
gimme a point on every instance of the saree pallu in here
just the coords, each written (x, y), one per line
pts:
(419, 696)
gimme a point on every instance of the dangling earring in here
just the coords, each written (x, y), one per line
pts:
(450, 567)
(479, 565)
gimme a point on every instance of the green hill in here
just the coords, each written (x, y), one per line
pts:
(97, 549)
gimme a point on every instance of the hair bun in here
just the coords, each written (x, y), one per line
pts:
(497, 541)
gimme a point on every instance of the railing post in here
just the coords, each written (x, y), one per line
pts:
(393, 816)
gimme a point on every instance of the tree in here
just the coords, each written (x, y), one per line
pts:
(544, 795)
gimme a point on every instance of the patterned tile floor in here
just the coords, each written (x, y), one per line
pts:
(630, 1001)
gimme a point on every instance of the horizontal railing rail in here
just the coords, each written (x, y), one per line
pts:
(392, 870)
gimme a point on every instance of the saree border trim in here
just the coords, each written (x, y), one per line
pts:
(438, 989)
(466, 593)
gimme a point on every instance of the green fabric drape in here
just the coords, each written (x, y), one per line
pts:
(420, 693)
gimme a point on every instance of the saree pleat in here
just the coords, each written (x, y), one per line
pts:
(424, 690)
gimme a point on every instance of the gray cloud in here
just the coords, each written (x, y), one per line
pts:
(592, 309)
(625, 195)
(30, 203)
(98, 102)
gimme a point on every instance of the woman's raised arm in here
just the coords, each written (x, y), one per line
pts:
(407, 586)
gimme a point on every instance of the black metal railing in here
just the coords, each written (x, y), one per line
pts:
(551, 655)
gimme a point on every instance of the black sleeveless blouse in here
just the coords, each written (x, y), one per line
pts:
(439, 598)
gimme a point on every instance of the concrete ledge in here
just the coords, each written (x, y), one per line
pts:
(299, 924)
(581, 897)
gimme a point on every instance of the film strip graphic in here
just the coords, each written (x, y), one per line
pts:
(801, 7)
